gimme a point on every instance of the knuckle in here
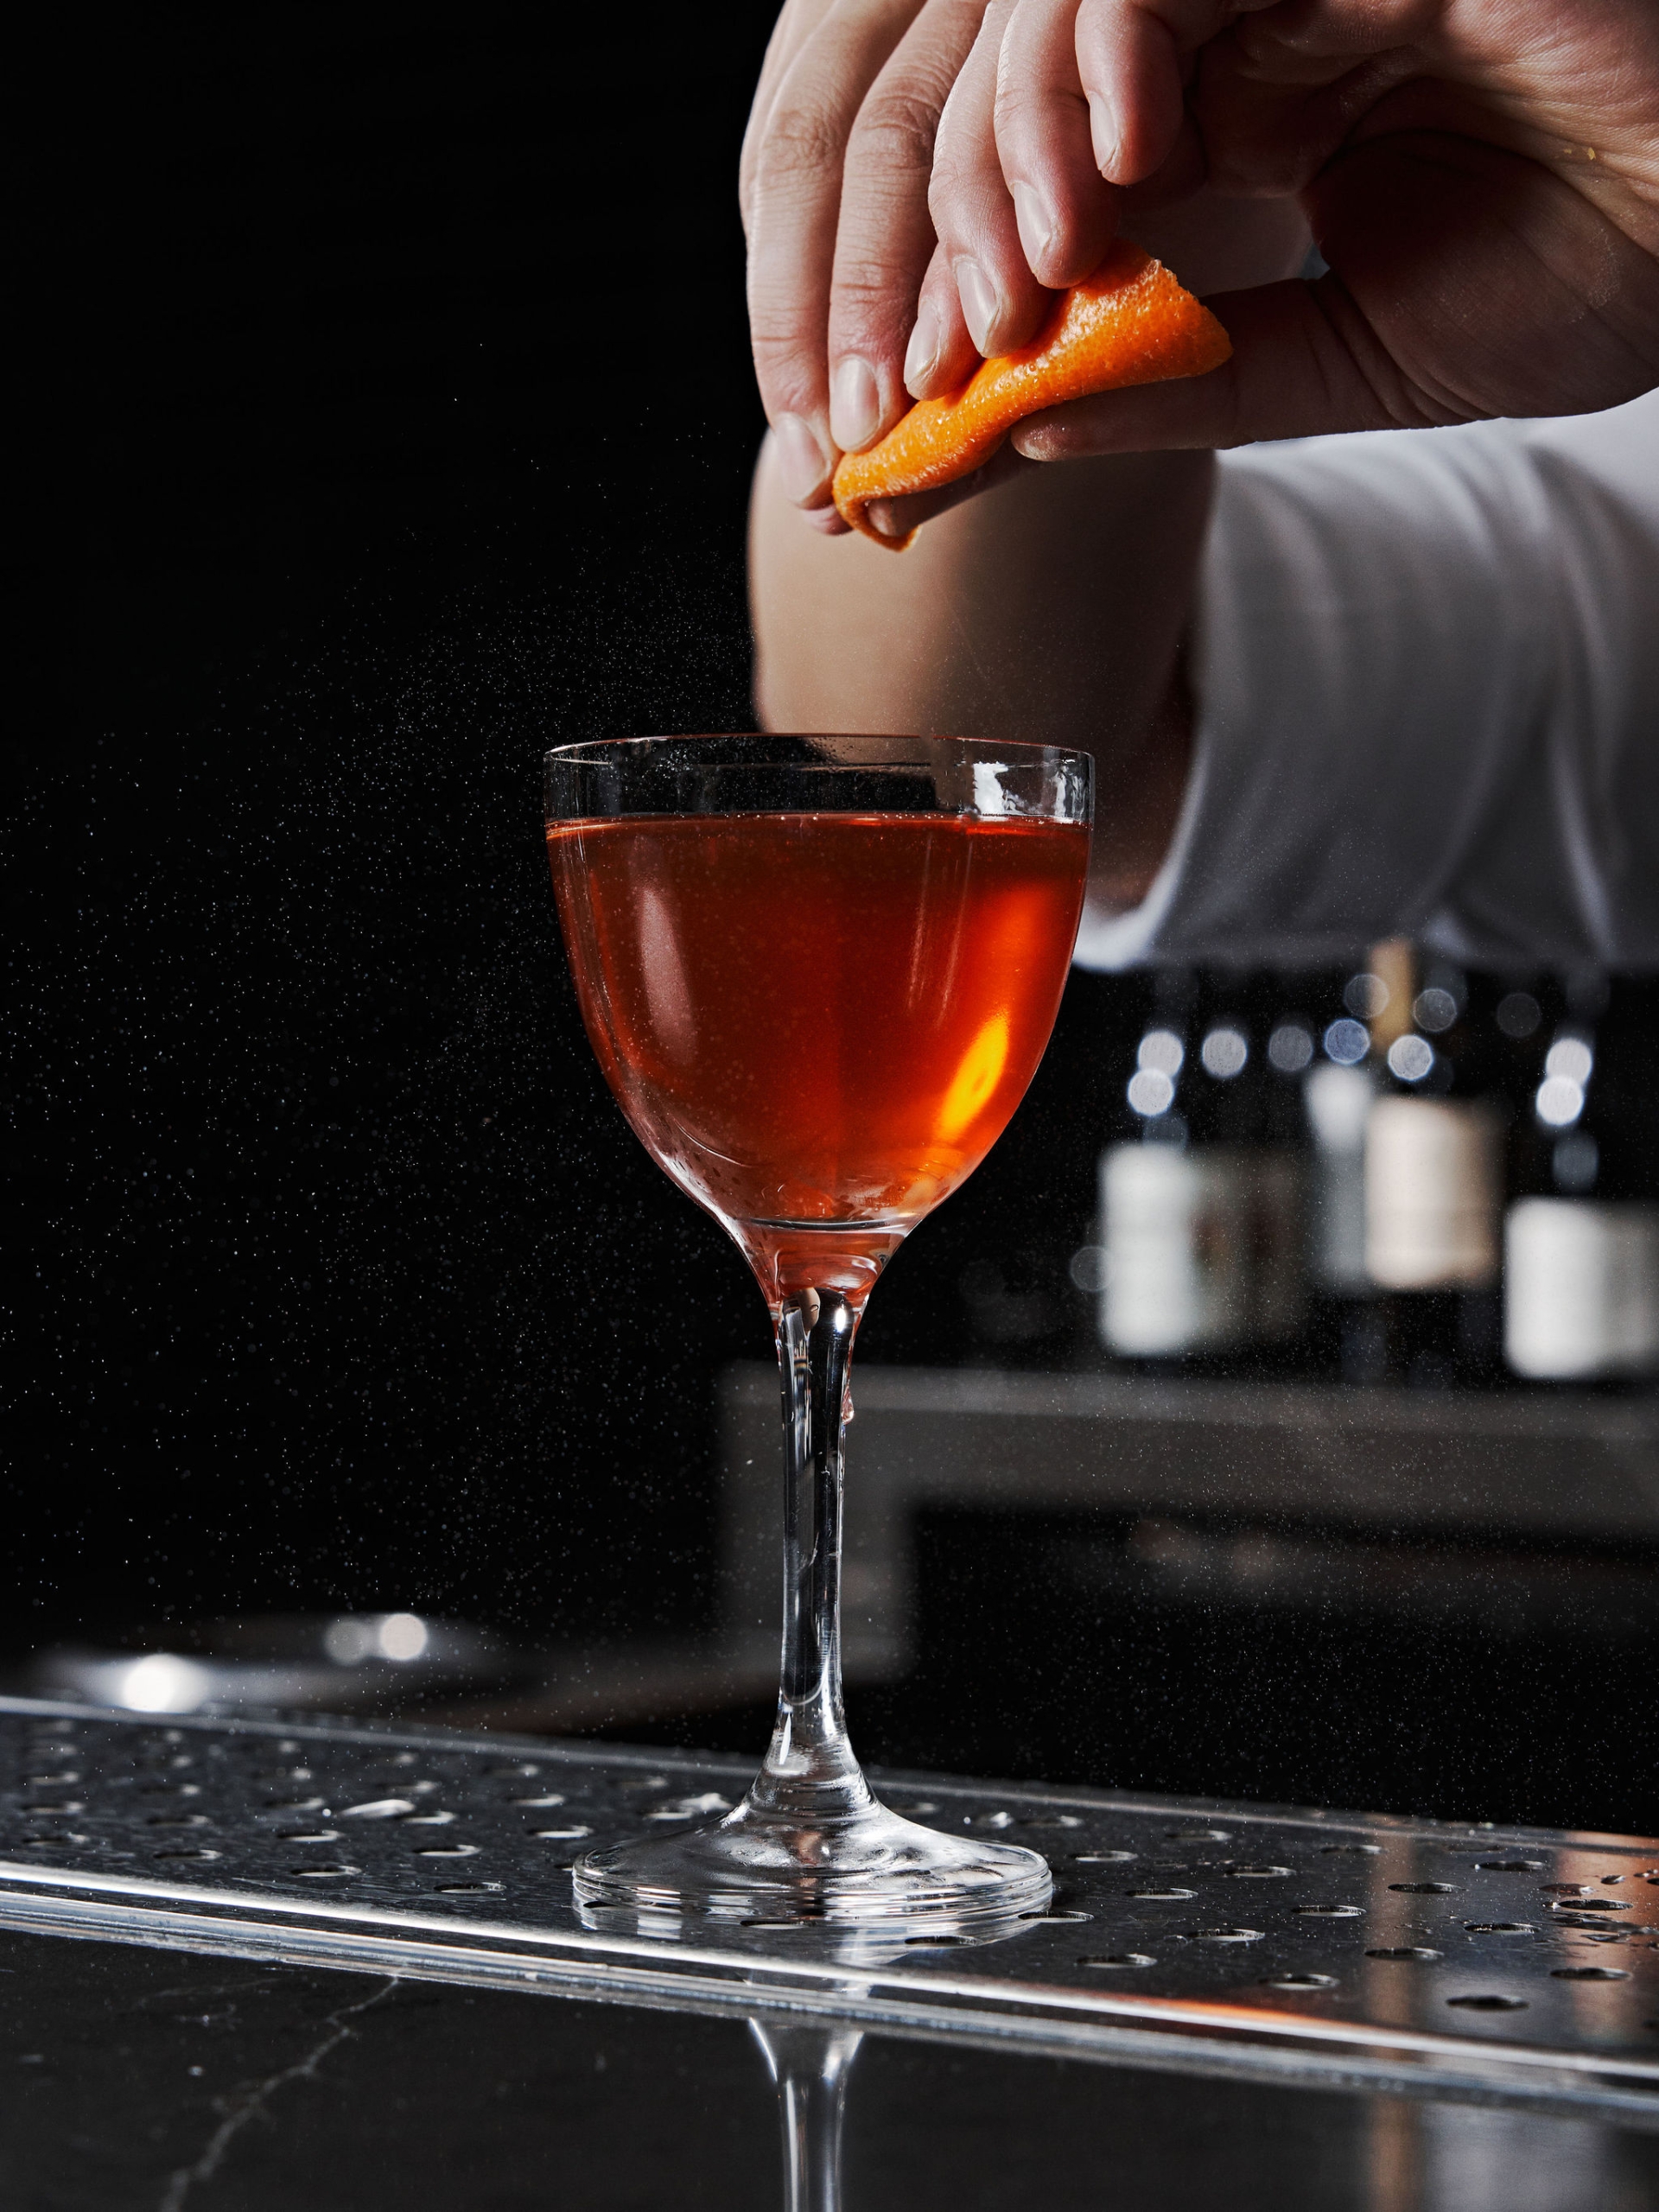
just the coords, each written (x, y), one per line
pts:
(787, 384)
(947, 195)
(896, 130)
(948, 174)
(867, 313)
(868, 282)
(779, 338)
(801, 141)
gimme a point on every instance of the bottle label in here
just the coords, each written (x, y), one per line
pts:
(1202, 1248)
(1338, 1101)
(1433, 1194)
(1580, 1288)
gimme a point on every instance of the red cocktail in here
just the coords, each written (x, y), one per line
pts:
(819, 1021)
(819, 973)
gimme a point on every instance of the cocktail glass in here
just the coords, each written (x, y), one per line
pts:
(819, 973)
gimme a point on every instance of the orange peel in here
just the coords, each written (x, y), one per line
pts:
(1131, 322)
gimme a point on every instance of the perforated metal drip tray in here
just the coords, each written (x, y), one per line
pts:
(1516, 1964)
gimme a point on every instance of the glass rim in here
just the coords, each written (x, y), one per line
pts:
(595, 752)
(762, 772)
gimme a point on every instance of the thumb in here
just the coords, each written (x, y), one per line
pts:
(1305, 360)
(1464, 282)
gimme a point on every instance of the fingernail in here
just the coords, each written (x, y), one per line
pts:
(923, 351)
(1036, 220)
(1034, 445)
(802, 466)
(1103, 132)
(854, 405)
(980, 303)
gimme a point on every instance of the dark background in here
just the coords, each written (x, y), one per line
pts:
(414, 421)
(401, 422)
(413, 424)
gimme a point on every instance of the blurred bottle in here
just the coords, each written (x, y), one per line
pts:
(1277, 1136)
(1200, 1235)
(1337, 1093)
(1581, 1241)
(1174, 1229)
(1433, 1178)
(1581, 1294)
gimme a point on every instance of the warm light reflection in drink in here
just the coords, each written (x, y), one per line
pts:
(814, 1021)
(976, 1078)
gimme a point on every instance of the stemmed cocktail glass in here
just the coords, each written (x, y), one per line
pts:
(819, 973)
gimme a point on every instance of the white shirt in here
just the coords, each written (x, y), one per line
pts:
(1426, 671)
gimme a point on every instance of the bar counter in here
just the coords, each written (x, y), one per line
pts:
(248, 1963)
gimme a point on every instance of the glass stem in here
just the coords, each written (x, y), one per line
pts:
(810, 1773)
(809, 2067)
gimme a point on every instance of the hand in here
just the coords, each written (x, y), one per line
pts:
(840, 113)
(1481, 175)
(838, 164)
(1446, 151)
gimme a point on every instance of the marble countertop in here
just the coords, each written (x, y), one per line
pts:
(1402, 2017)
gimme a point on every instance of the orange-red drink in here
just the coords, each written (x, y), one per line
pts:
(819, 1024)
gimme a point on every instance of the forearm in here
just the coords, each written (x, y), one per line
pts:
(1050, 611)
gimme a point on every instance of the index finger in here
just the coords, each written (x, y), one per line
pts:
(885, 239)
(794, 26)
(795, 200)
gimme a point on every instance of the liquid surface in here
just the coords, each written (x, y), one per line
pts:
(818, 1023)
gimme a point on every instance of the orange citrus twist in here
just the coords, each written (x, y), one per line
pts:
(1131, 322)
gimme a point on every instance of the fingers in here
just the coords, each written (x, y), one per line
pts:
(1063, 207)
(1415, 225)
(794, 26)
(794, 196)
(1060, 102)
(1002, 302)
(1131, 58)
(885, 241)
(941, 356)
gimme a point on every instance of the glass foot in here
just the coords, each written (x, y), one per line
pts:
(866, 1867)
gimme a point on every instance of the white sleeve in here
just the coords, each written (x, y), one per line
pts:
(1426, 671)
